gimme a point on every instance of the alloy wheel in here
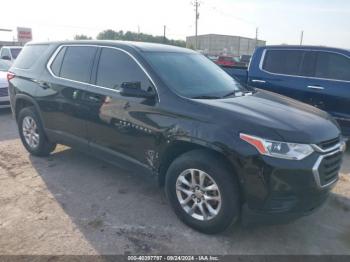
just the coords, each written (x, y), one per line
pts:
(30, 132)
(198, 194)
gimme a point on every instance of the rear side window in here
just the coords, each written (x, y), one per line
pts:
(332, 66)
(115, 67)
(57, 62)
(309, 63)
(285, 62)
(29, 55)
(77, 63)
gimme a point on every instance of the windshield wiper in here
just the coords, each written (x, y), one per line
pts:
(238, 93)
(206, 97)
(233, 93)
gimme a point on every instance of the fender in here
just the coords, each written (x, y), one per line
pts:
(30, 100)
(196, 141)
(181, 144)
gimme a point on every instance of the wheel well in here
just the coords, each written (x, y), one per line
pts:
(20, 104)
(178, 148)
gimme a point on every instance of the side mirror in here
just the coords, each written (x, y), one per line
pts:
(5, 57)
(133, 89)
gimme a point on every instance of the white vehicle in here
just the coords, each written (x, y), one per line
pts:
(4, 95)
(10, 52)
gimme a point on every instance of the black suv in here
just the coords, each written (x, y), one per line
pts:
(221, 151)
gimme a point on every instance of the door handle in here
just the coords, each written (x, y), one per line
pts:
(258, 81)
(42, 84)
(94, 99)
(316, 87)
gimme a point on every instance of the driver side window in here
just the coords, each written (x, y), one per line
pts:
(116, 67)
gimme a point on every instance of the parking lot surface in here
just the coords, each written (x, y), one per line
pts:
(71, 203)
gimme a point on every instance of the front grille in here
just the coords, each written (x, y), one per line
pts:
(329, 143)
(4, 92)
(329, 168)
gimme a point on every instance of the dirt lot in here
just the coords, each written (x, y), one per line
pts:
(71, 203)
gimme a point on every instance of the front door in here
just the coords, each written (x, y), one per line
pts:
(280, 73)
(118, 125)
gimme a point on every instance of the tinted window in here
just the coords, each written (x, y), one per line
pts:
(116, 67)
(5, 52)
(283, 61)
(77, 63)
(192, 75)
(309, 63)
(57, 62)
(333, 66)
(29, 55)
(15, 52)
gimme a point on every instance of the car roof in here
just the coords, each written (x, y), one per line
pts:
(12, 46)
(314, 47)
(140, 46)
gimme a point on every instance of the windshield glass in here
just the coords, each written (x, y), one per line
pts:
(15, 52)
(4, 65)
(192, 75)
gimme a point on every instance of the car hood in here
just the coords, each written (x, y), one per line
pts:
(268, 114)
(3, 79)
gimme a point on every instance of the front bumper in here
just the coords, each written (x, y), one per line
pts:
(279, 190)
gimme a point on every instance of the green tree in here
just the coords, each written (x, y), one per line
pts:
(132, 36)
(82, 37)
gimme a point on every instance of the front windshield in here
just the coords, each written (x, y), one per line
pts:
(192, 75)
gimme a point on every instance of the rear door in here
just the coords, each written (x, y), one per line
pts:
(330, 85)
(60, 95)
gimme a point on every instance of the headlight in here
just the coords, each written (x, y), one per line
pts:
(343, 146)
(284, 150)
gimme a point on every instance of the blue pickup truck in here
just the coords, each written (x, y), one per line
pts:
(319, 76)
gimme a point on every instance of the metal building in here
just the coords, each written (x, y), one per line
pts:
(9, 43)
(213, 44)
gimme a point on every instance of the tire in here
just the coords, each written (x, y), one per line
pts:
(224, 201)
(32, 133)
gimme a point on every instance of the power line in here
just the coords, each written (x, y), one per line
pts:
(230, 15)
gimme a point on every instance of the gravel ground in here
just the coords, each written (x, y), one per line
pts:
(71, 203)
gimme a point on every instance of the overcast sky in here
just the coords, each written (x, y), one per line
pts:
(325, 22)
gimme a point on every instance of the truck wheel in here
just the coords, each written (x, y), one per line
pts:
(203, 192)
(32, 133)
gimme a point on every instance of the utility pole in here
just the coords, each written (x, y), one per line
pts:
(138, 32)
(301, 37)
(164, 37)
(196, 4)
(256, 36)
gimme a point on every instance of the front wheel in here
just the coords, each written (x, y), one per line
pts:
(203, 192)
